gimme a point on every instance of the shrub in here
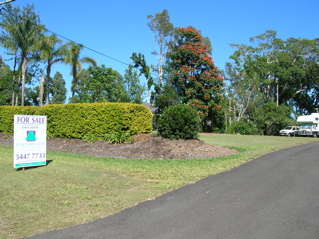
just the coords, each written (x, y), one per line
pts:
(244, 127)
(179, 122)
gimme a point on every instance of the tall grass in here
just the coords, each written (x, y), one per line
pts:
(74, 189)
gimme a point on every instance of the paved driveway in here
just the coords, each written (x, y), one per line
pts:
(274, 196)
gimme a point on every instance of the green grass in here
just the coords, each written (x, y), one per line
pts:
(74, 189)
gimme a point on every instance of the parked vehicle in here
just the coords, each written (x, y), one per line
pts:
(309, 125)
(289, 131)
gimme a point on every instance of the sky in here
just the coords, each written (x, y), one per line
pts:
(118, 28)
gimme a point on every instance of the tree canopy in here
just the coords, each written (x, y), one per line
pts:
(285, 70)
(21, 30)
(271, 70)
(195, 77)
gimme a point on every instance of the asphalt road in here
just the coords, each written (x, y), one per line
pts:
(274, 196)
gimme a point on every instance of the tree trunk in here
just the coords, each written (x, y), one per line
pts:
(47, 99)
(14, 77)
(12, 99)
(24, 69)
(41, 90)
(16, 100)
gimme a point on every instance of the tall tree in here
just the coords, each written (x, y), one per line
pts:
(58, 89)
(74, 59)
(132, 86)
(285, 70)
(163, 31)
(52, 52)
(145, 69)
(11, 46)
(196, 79)
(21, 30)
(242, 93)
(15, 84)
(102, 84)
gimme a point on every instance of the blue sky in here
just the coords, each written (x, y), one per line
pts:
(119, 28)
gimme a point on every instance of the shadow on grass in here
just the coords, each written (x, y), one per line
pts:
(33, 167)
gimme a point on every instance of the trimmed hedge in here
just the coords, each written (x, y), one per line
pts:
(7, 116)
(84, 120)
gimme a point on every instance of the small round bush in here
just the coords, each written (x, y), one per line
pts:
(179, 122)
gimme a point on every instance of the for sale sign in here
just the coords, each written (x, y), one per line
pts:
(30, 132)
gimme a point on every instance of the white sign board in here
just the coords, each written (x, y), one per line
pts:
(30, 132)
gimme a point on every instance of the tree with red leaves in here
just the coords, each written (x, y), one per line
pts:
(196, 79)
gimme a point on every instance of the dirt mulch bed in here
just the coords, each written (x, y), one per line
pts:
(144, 147)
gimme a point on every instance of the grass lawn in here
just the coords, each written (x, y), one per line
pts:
(75, 189)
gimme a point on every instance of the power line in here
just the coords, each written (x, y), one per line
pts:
(87, 47)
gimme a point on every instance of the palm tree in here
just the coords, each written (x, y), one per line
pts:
(21, 32)
(74, 60)
(52, 52)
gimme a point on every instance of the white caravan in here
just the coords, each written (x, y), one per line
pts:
(309, 125)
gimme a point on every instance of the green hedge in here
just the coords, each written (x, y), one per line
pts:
(7, 113)
(84, 120)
